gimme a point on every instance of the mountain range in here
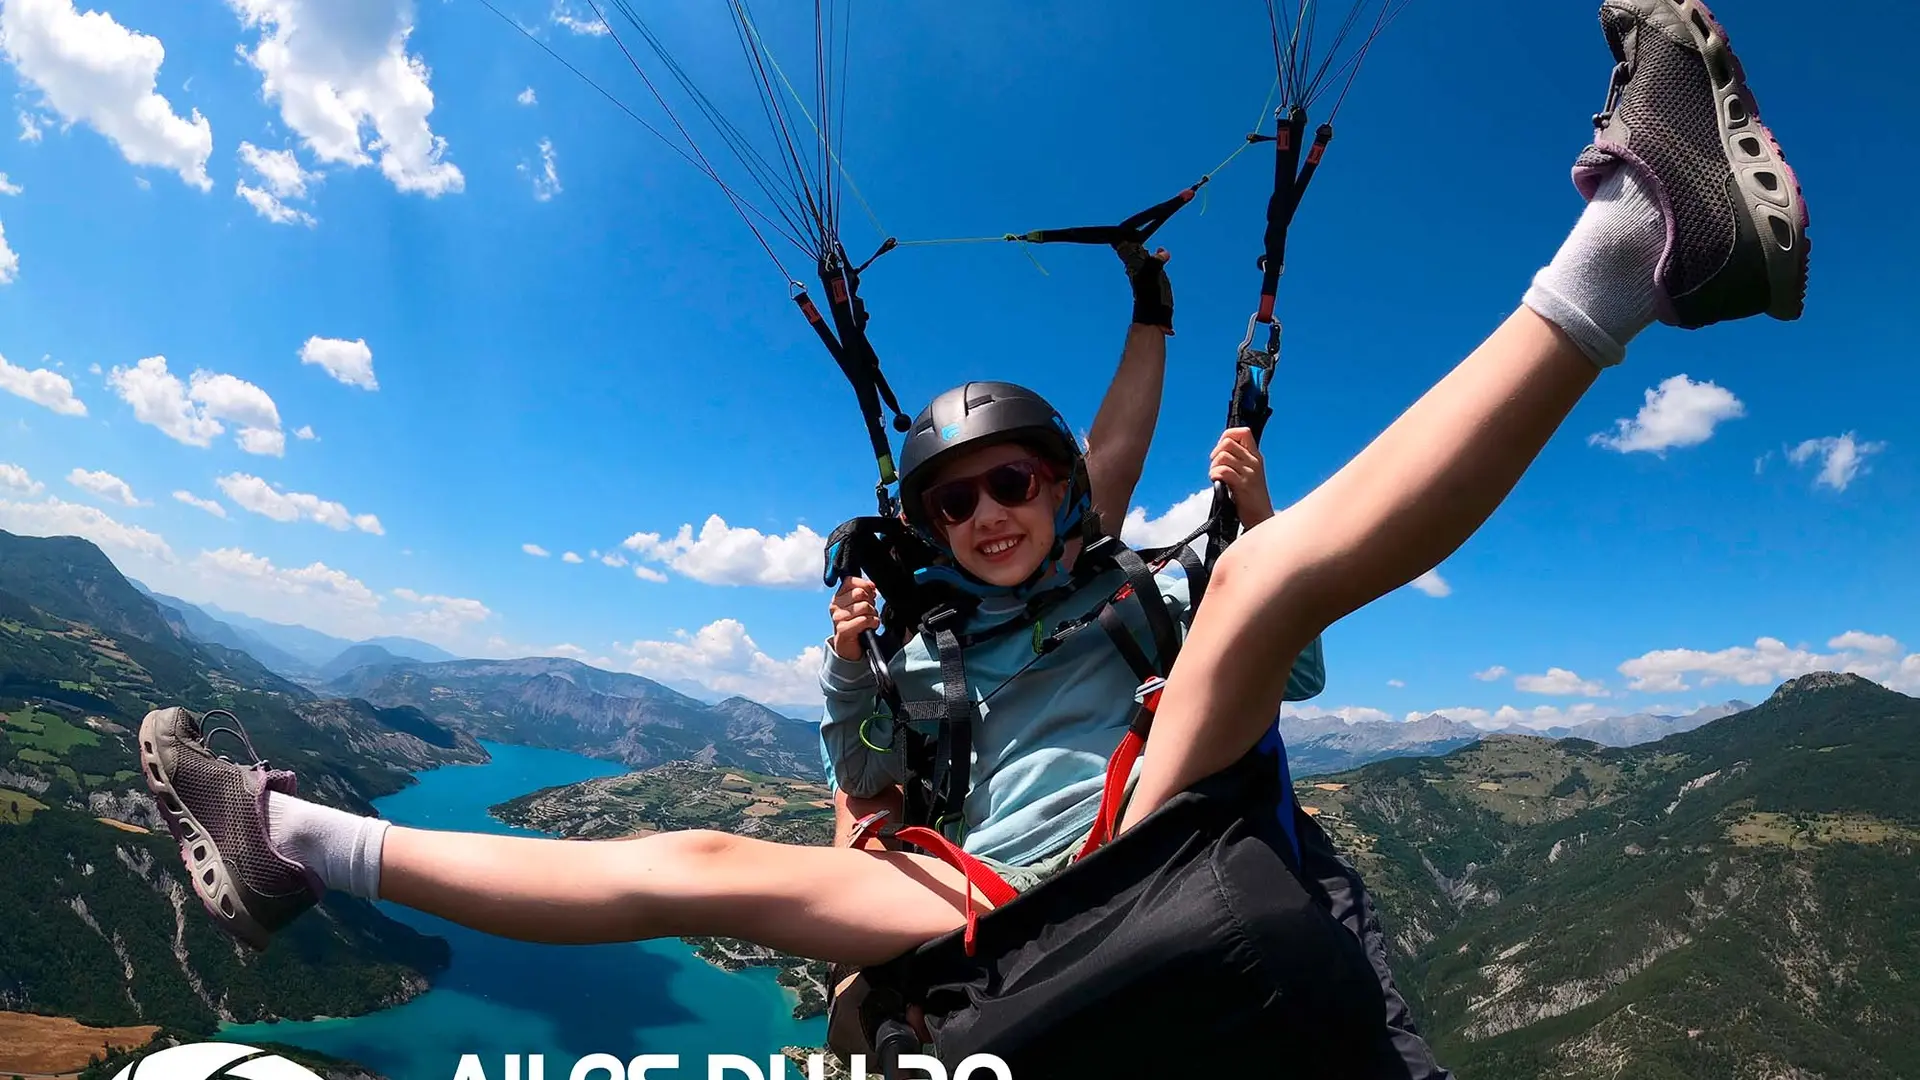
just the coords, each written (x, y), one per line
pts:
(95, 919)
(292, 651)
(1732, 901)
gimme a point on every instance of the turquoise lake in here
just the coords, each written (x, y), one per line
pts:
(502, 997)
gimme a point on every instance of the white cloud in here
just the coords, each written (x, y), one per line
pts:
(585, 22)
(611, 558)
(1492, 674)
(648, 573)
(92, 70)
(305, 432)
(1842, 458)
(42, 386)
(9, 259)
(570, 557)
(528, 97)
(1141, 531)
(546, 181)
(535, 550)
(208, 505)
(55, 517)
(1559, 682)
(1352, 714)
(349, 362)
(105, 485)
(1860, 641)
(283, 179)
(1432, 584)
(31, 127)
(338, 69)
(317, 579)
(254, 494)
(723, 658)
(446, 615)
(1679, 412)
(724, 555)
(1770, 660)
(15, 479)
(8, 187)
(1397, 684)
(192, 413)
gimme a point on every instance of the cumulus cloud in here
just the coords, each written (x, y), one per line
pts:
(1432, 584)
(349, 362)
(105, 485)
(15, 479)
(9, 259)
(570, 557)
(316, 579)
(724, 555)
(31, 127)
(723, 658)
(1559, 682)
(41, 386)
(1141, 531)
(1352, 714)
(1397, 684)
(281, 179)
(55, 517)
(528, 97)
(575, 21)
(191, 413)
(1842, 458)
(648, 573)
(208, 505)
(1492, 674)
(257, 495)
(90, 69)
(1769, 660)
(1678, 412)
(337, 70)
(535, 550)
(8, 187)
(546, 179)
(305, 432)
(444, 615)
(611, 558)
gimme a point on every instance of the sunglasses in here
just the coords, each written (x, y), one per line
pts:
(1014, 483)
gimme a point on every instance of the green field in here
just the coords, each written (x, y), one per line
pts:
(16, 808)
(44, 731)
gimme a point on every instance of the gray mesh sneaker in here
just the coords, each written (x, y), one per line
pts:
(217, 812)
(1679, 112)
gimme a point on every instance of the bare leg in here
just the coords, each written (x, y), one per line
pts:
(1410, 499)
(834, 904)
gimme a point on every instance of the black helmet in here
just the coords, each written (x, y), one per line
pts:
(978, 414)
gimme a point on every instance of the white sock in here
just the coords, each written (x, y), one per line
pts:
(342, 848)
(1599, 286)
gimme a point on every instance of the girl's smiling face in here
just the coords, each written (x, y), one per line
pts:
(1004, 539)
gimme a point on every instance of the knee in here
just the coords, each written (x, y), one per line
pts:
(699, 845)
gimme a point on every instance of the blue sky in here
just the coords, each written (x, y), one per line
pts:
(510, 319)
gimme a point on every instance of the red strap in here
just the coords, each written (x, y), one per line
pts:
(867, 827)
(1120, 768)
(991, 885)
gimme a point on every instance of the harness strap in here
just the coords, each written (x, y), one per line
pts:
(1166, 637)
(1120, 767)
(953, 763)
(1124, 643)
(978, 874)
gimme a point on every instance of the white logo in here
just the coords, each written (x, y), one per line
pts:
(210, 1060)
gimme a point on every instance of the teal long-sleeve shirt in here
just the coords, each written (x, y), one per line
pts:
(1041, 743)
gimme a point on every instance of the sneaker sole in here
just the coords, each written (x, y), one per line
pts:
(1769, 189)
(207, 872)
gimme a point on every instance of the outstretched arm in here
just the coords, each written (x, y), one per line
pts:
(1123, 428)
